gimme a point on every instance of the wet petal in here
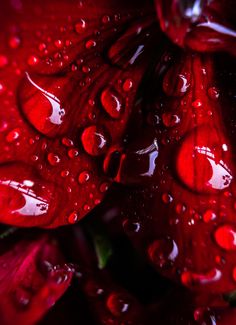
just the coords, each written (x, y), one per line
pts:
(31, 281)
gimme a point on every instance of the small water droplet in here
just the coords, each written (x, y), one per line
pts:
(90, 44)
(73, 217)
(209, 215)
(213, 93)
(53, 159)
(94, 140)
(14, 41)
(80, 26)
(3, 61)
(84, 177)
(111, 102)
(167, 198)
(128, 85)
(170, 119)
(225, 237)
(118, 304)
(13, 135)
(163, 252)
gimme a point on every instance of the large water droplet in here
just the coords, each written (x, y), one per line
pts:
(194, 280)
(94, 140)
(225, 236)
(24, 195)
(111, 102)
(118, 304)
(163, 252)
(40, 104)
(201, 161)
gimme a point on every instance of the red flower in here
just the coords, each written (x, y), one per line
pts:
(93, 94)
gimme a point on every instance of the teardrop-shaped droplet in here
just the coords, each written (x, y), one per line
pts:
(25, 198)
(202, 161)
(111, 102)
(94, 140)
(225, 237)
(41, 105)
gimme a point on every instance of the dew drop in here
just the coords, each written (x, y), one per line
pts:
(3, 61)
(40, 105)
(209, 215)
(127, 85)
(84, 177)
(118, 304)
(111, 102)
(94, 140)
(32, 60)
(167, 198)
(163, 252)
(80, 26)
(201, 161)
(213, 93)
(14, 42)
(170, 119)
(193, 280)
(53, 159)
(225, 237)
(90, 44)
(13, 135)
(24, 195)
(73, 218)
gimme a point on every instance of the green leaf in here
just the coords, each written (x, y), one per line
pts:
(8, 232)
(231, 298)
(103, 249)
(101, 242)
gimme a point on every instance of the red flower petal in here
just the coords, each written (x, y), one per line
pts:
(75, 93)
(199, 25)
(185, 221)
(30, 282)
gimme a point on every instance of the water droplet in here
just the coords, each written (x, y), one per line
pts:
(3, 61)
(176, 84)
(127, 85)
(201, 161)
(22, 297)
(13, 135)
(118, 304)
(94, 140)
(73, 217)
(194, 280)
(131, 227)
(67, 142)
(170, 119)
(213, 93)
(167, 198)
(106, 19)
(197, 103)
(72, 153)
(163, 252)
(104, 187)
(90, 44)
(209, 215)
(80, 26)
(111, 102)
(84, 177)
(225, 237)
(41, 106)
(14, 41)
(53, 159)
(24, 194)
(33, 60)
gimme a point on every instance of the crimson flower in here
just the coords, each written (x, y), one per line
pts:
(122, 114)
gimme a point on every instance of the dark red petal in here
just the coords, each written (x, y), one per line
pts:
(185, 220)
(67, 92)
(31, 281)
(199, 25)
